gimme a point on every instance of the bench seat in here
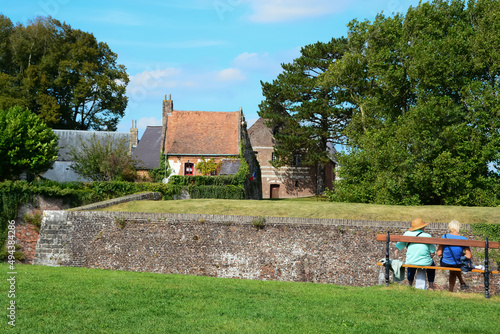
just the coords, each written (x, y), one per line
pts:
(441, 268)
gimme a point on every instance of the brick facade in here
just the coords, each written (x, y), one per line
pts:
(284, 182)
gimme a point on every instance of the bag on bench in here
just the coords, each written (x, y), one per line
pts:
(466, 264)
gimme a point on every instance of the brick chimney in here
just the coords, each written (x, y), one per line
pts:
(134, 137)
(168, 107)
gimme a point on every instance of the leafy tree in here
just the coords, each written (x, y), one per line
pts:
(103, 158)
(208, 167)
(27, 145)
(162, 172)
(424, 92)
(305, 115)
(64, 75)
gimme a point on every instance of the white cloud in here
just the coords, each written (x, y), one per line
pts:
(147, 121)
(253, 60)
(153, 78)
(268, 11)
(264, 65)
(230, 74)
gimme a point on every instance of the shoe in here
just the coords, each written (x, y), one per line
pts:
(463, 286)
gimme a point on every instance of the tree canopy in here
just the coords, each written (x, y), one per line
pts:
(422, 91)
(304, 114)
(62, 74)
(27, 145)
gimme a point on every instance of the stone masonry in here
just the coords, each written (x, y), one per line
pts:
(342, 252)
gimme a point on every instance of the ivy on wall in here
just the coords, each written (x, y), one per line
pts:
(492, 232)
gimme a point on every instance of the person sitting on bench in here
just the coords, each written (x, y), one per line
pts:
(418, 254)
(451, 255)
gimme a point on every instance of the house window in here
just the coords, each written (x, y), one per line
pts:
(296, 160)
(188, 168)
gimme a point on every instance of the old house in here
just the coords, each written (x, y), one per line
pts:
(288, 181)
(190, 136)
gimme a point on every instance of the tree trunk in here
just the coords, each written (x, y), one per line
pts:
(320, 179)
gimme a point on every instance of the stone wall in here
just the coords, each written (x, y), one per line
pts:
(342, 252)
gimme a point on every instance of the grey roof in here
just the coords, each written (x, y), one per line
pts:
(229, 167)
(73, 138)
(61, 172)
(147, 152)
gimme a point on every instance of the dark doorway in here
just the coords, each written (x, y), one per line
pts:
(275, 191)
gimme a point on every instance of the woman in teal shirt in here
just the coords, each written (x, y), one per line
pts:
(418, 254)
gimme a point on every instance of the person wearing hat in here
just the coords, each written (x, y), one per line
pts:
(418, 254)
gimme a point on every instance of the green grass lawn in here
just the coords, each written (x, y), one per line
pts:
(312, 208)
(80, 300)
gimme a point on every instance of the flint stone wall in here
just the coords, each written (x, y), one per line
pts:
(342, 252)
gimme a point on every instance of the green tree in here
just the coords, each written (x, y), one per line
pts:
(103, 158)
(64, 75)
(27, 145)
(162, 172)
(305, 115)
(426, 125)
(208, 167)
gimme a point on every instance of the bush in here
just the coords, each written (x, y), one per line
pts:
(492, 232)
(27, 145)
(103, 159)
(217, 192)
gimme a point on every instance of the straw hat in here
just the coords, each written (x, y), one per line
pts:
(417, 224)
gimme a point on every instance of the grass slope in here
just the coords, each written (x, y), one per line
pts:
(80, 300)
(311, 208)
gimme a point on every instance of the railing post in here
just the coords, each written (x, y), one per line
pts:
(387, 261)
(486, 271)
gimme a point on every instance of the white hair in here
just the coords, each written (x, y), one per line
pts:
(454, 225)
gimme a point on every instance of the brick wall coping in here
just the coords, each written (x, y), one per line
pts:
(154, 196)
(180, 217)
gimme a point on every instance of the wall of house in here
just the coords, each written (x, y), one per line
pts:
(292, 181)
(342, 252)
(289, 182)
(177, 163)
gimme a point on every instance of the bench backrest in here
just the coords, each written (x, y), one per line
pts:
(438, 241)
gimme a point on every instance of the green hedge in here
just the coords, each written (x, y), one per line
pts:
(219, 180)
(218, 192)
(492, 232)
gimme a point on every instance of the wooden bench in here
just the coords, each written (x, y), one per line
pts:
(440, 241)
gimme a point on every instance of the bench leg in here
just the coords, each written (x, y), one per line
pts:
(486, 272)
(387, 261)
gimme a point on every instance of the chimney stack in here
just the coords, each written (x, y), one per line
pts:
(168, 107)
(134, 137)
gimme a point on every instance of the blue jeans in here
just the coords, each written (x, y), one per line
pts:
(431, 273)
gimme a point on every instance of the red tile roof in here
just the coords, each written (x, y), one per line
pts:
(202, 133)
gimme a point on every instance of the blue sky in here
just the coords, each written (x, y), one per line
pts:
(209, 54)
